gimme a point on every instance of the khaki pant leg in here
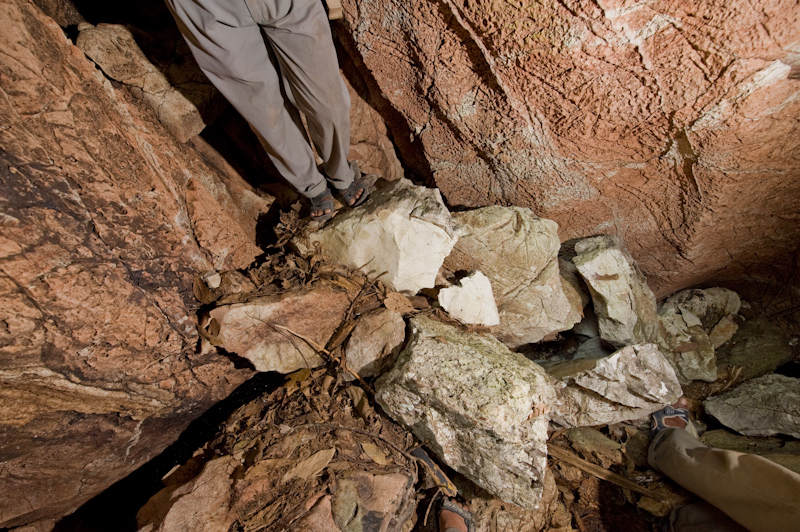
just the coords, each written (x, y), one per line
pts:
(758, 494)
(300, 35)
(230, 49)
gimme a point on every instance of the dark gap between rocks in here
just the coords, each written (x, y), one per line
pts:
(116, 507)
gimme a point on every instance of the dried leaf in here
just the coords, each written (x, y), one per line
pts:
(201, 292)
(298, 376)
(310, 466)
(398, 303)
(360, 401)
(374, 452)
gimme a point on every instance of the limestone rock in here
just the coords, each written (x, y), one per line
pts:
(472, 302)
(201, 505)
(259, 330)
(758, 347)
(722, 332)
(764, 406)
(687, 346)
(99, 247)
(402, 231)
(632, 383)
(115, 51)
(624, 304)
(518, 252)
(482, 408)
(710, 305)
(602, 117)
(375, 342)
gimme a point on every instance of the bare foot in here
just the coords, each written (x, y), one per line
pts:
(448, 519)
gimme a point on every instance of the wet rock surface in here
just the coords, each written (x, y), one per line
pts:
(764, 406)
(482, 408)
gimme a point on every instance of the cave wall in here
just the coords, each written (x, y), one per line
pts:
(673, 124)
(105, 220)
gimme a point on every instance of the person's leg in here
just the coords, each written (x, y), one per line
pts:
(702, 517)
(230, 49)
(757, 493)
(302, 42)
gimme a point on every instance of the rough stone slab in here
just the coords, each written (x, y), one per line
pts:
(758, 347)
(764, 406)
(402, 229)
(375, 342)
(482, 407)
(625, 305)
(710, 305)
(518, 252)
(251, 330)
(632, 383)
(687, 345)
(115, 51)
(472, 301)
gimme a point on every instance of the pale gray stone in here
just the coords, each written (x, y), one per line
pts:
(402, 233)
(764, 406)
(709, 305)
(114, 50)
(472, 301)
(758, 347)
(375, 342)
(262, 330)
(482, 407)
(686, 345)
(518, 252)
(632, 383)
(625, 305)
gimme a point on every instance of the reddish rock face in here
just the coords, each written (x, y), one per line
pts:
(671, 124)
(105, 221)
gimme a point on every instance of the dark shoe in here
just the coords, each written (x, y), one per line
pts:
(350, 195)
(451, 506)
(672, 417)
(322, 208)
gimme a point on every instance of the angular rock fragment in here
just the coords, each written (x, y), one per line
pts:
(758, 347)
(687, 346)
(482, 407)
(402, 233)
(632, 383)
(764, 406)
(722, 332)
(262, 330)
(518, 252)
(115, 51)
(710, 305)
(375, 342)
(625, 305)
(472, 302)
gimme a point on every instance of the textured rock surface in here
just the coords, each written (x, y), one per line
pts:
(201, 505)
(472, 301)
(375, 342)
(764, 406)
(482, 408)
(709, 305)
(256, 330)
(672, 124)
(687, 346)
(624, 304)
(373, 502)
(115, 51)
(101, 238)
(630, 384)
(518, 252)
(758, 347)
(402, 229)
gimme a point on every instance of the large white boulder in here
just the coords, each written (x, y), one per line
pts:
(482, 408)
(518, 252)
(624, 304)
(402, 233)
(630, 384)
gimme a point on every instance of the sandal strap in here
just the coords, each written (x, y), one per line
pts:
(450, 506)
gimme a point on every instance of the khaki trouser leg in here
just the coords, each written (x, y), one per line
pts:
(758, 494)
(226, 39)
